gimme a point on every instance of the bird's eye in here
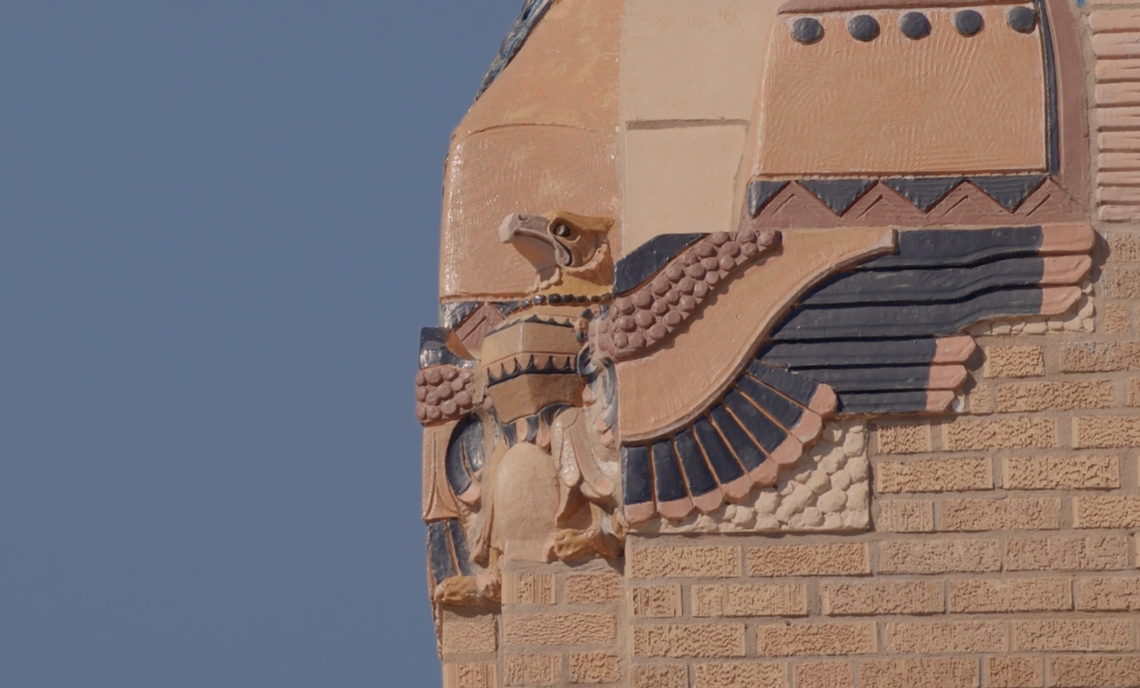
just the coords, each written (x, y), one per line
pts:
(562, 231)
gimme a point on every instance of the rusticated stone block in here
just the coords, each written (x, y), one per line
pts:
(1108, 594)
(469, 637)
(593, 588)
(1014, 595)
(1015, 672)
(749, 600)
(999, 514)
(1107, 512)
(1093, 553)
(938, 475)
(1078, 635)
(470, 675)
(1003, 433)
(939, 556)
(943, 637)
(528, 588)
(1014, 361)
(532, 670)
(905, 516)
(806, 640)
(1091, 671)
(945, 672)
(1056, 396)
(1100, 357)
(903, 439)
(824, 674)
(1061, 472)
(1120, 282)
(656, 602)
(1123, 247)
(659, 676)
(688, 640)
(867, 599)
(593, 667)
(809, 560)
(684, 562)
(558, 629)
(1106, 432)
(1116, 319)
(741, 675)
(1134, 392)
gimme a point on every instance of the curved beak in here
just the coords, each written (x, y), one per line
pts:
(527, 234)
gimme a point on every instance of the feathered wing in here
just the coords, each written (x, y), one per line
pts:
(855, 320)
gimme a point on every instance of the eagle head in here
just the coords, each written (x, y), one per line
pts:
(566, 250)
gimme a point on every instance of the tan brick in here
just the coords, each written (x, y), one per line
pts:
(532, 670)
(1060, 472)
(1108, 594)
(1106, 432)
(809, 560)
(1083, 635)
(469, 637)
(558, 629)
(660, 676)
(1097, 357)
(689, 640)
(741, 675)
(1003, 433)
(1134, 392)
(938, 475)
(1120, 282)
(1010, 513)
(1090, 671)
(980, 399)
(593, 667)
(943, 637)
(749, 600)
(1107, 512)
(1014, 361)
(1055, 396)
(939, 556)
(593, 588)
(804, 640)
(1093, 553)
(470, 675)
(1015, 672)
(903, 439)
(867, 599)
(1116, 320)
(657, 602)
(528, 588)
(1123, 247)
(905, 516)
(1011, 595)
(931, 672)
(824, 674)
(684, 562)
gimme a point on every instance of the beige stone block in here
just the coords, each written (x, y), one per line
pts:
(1090, 671)
(1077, 635)
(741, 675)
(806, 640)
(1116, 319)
(1118, 93)
(939, 556)
(715, 77)
(688, 640)
(1102, 21)
(593, 667)
(869, 599)
(1117, 70)
(1118, 161)
(1123, 247)
(680, 180)
(1134, 392)
(824, 674)
(938, 475)
(1009, 513)
(1011, 595)
(749, 600)
(558, 629)
(1106, 432)
(1119, 213)
(1093, 553)
(905, 516)
(532, 670)
(1121, 282)
(1108, 594)
(1061, 472)
(945, 672)
(593, 588)
(683, 562)
(809, 560)
(1014, 672)
(655, 602)
(1118, 140)
(903, 439)
(1014, 361)
(1055, 396)
(659, 676)
(1003, 433)
(528, 588)
(1117, 117)
(944, 637)
(470, 675)
(1107, 512)
(1100, 357)
(469, 637)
